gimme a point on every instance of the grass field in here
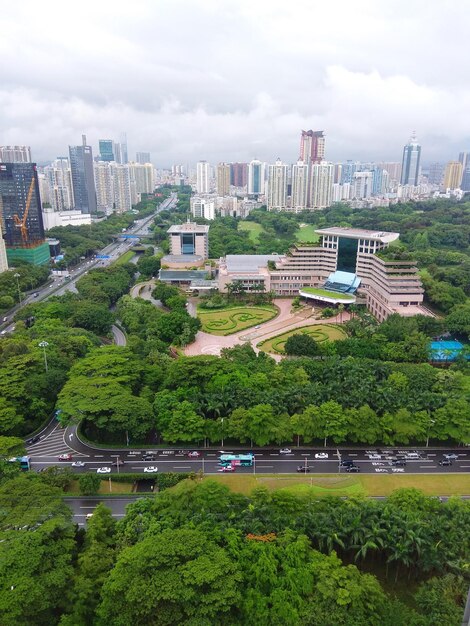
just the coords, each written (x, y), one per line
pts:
(307, 233)
(254, 230)
(125, 258)
(342, 485)
(229, 321)
(319, 332)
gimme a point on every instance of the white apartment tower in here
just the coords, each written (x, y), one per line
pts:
(122, 188)
(361, 186)
(203, 175)
(59, 179)
(277, 186)
(299, 198)
(104, 185)
(202, 207)
(321, 184)
(15, 154)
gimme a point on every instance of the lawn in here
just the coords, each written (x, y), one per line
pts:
(254, 230)
(229, 321)
(319, 332)
(306, 233)
(342, 485)
(125, 258)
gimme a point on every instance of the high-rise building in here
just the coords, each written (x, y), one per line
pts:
(380, 181)
(223, 179)
(239, 174)
(3, 253)
(15, 154)
(59, 181)
(299, 196)
(410, 163)
(104, 183)
(106, 150)
(83, 182)
(465, 184)
(362, 185)
(393, 168)
(122, 187)
(142, 157)
(348, 170)
(464, 158)
(312, 146)
(453, 175)
(203, 177)
(277, 186)
(321, 184)
(143, 175)
(20, 210)
(203, 207)
(256, 175)
(436, 173)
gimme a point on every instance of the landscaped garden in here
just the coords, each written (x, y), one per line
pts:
(232, 320)
(318, 332)
(306, 233)
(253, 229)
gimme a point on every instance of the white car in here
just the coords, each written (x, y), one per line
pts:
(375, 456)
(150, 470)
(451, 456)
(78, 464)
(321, 455)
(103, 470)
(285, 451)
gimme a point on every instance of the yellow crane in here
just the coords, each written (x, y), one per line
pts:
(21, 223)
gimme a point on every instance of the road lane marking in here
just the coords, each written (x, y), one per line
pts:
(265, 466)
(182, 467)
(428, 466)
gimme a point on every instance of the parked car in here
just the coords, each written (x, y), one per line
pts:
(451, 456)
(226, 468)
(353, 468)
(103, 470)
(321, 455)
(65, 457)
(302, 469)
(194, 454)
(285, 451)
(78, 464)
(151, 469)
(445, 462)
(34, 439)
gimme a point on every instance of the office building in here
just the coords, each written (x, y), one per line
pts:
(453, 175)
(15, 154)
(20, 210)
(223, 179)
(106, 147)
(256, 176)
(83, 181)
(239, 174)
(277, 186)
(189, 239)
(58, 176)
(300, 183)
(321, 185)
(3, 253)
(202, 207)
(312, 146)
(120, 150)
(410, 168)
(142, 157)
(203, 177)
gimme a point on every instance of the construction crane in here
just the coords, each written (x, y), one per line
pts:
(21, 223)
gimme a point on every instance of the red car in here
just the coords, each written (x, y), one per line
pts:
(65, 457)
(194, 455)
(226, 468)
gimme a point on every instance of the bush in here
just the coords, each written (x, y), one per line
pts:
(89, 484)
(328, 312)
(301, 345)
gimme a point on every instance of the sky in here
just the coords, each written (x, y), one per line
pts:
(225, 80)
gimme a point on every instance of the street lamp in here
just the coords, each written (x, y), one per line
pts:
(43, 345)
(326, 434)
(431, 422)
(222, 420)
(17, 276)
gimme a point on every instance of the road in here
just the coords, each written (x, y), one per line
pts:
(59, 285)
(82, 506)
(119, 337)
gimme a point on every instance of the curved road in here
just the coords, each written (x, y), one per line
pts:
(119, 336)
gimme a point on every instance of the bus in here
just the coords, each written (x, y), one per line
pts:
(24, 461)
(244, 460)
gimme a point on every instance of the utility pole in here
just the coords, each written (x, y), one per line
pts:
(43, 345)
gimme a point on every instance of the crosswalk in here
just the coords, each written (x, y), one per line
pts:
(52, 444)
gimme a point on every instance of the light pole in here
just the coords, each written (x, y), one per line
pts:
(222, 420)
(431, 422)
(326, 434)
(43, 345)
(17, 276)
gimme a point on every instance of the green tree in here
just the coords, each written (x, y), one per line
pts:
(301, 344)
(89, 484)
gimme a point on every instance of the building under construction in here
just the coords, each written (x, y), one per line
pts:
(20, 212)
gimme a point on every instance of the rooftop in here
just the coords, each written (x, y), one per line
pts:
(188, 227)
(248, 262)
(359, 233)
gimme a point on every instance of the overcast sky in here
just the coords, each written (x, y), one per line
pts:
(234, 80)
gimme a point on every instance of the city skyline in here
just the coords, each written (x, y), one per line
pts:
(185, 97)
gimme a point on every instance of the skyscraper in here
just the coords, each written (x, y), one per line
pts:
(15, 154)
(3, 253)
(436, 173)
(122, 187)
(83, 182)
(299, 196)
(142, 157)
(464, 158)
(453, 175)
(106, 150)
(362, 185)
(312, 146)
(238, 174)
(143, 175)
(256, 175)
(410, 163)
(277, 186)
(465, 184)
(321, 184)
(104, 184)
(59, 181)
(223, 179)
(203, 177)
(20, 208)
